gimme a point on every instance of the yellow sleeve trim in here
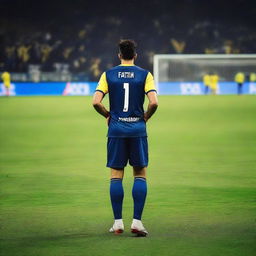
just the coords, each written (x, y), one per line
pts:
(103, 84)
(149, 84)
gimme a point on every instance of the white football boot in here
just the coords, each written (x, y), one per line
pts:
(118, 227)
(138, 228)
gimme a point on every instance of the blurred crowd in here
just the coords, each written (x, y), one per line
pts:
(89, 45)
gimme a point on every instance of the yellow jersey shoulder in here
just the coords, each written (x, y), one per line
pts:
(103, 84)
(149, 83)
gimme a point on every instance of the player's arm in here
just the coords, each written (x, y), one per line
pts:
(101, 90)
(150, 90)
(99, 107)
(152, 105)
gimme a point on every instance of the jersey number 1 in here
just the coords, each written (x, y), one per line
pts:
(126, 97)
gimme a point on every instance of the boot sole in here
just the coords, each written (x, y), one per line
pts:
(139, 233)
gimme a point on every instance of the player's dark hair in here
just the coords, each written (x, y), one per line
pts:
(127, 49)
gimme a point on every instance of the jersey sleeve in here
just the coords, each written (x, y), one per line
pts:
(149, 83)
(103, 84)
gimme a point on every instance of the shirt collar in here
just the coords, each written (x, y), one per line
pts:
(126, 65)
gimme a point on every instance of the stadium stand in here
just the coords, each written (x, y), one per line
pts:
(82, 40)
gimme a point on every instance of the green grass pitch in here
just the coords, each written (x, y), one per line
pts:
(201, 179)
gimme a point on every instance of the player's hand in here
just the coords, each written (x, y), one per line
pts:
(108, 120)
(145, 117)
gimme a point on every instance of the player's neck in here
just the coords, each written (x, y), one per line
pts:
(127, 62)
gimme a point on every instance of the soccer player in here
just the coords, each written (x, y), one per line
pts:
(127, 85)
(240, 79)
(214, 78)
(7, 82)
(206, 82)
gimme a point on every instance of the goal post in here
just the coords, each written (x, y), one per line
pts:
(184, 73)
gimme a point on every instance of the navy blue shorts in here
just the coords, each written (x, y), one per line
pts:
(120, 150)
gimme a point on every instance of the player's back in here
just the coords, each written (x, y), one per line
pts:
(6, 79)
(206, 79)
(126, 87)
(126, 91)
(6, 76)
(239, 77)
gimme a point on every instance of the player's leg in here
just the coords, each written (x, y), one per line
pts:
(239, 88)
(206, 89)
(139, 191)
(116, 196)
(117, 160)
(139, 161)
(7, 92)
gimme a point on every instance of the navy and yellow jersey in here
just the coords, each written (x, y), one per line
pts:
(240, 78)
(6, 79)
(252, 77)
(127, 86)
(206, 80)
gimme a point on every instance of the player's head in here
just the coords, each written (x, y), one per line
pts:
(127, 49)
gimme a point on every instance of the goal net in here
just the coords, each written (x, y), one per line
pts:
(184, 73)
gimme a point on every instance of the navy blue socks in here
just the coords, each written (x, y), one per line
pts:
(117, 195)
(139, 193)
